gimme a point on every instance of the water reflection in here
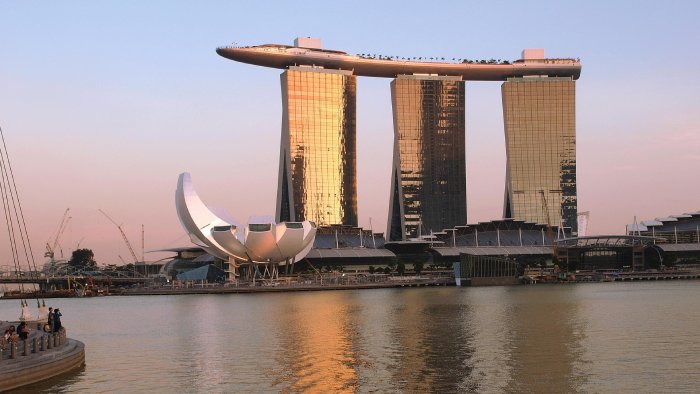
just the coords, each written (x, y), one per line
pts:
(543, 335)
(431, 343)
(588, 338)
(315, 352)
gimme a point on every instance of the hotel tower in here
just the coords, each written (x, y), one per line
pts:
(428, 178)
(317, 174)
(317, 177)
(540, 133)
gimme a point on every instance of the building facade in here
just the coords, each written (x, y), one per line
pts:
(428, 181)
(540, 133)
(317, 175)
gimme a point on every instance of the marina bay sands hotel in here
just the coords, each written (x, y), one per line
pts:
(318, 176)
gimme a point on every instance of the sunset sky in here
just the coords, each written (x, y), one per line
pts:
(104, 103)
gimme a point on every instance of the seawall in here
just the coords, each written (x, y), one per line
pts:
(42, 356)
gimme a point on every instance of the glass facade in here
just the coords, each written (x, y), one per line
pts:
(318, 179)
(429, 170)
(540, 132)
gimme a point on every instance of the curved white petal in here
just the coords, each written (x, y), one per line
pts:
(308, 242)
(226, 236)
(196, 218)
(290, 238)
(261, 243)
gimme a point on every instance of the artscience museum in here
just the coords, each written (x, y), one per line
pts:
(255, 250)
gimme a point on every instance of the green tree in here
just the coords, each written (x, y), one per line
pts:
(82, 258)
(401, 268)
(418, 268)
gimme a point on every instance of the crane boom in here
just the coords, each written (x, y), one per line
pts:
(63, 220)
(51, 247)
(126, 240)
(60, 233)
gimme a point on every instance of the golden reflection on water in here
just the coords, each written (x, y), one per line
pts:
(401, 340)
(316, 348)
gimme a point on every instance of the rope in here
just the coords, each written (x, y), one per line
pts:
(19, 213)
(4, 186)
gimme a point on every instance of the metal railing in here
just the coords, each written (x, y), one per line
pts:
(38, 342)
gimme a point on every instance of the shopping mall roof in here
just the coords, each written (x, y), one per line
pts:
(493, 250)
(680, 247)
(349, 253)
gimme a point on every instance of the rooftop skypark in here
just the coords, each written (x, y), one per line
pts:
(532, 63)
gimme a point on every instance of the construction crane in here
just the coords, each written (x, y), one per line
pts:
(51, 247)
(126, 240)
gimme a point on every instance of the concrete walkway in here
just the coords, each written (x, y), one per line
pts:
(42, 356)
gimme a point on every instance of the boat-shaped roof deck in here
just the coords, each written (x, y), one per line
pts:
(284, 56)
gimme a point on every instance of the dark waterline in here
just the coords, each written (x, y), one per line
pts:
(609, 337)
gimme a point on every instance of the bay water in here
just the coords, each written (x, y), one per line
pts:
(597, 338)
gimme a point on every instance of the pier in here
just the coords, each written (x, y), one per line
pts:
(39, 357)
(550, 276)
(661, 275)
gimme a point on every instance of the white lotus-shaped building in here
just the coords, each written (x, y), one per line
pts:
(261, 241)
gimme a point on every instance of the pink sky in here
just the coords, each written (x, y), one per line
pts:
(98, 115)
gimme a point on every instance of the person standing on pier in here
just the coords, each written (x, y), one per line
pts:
(49, 323)
(57, 320)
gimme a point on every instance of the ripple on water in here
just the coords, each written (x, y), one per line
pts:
(587, 338)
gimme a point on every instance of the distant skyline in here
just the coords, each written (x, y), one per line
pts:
(104, 104)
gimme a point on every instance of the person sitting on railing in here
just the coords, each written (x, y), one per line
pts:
(23, 330)
(49, 323)
(11, 335)
(8, 333)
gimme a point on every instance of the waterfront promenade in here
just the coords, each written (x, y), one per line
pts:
(538, 275)
(41, 356)
(275, 287)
